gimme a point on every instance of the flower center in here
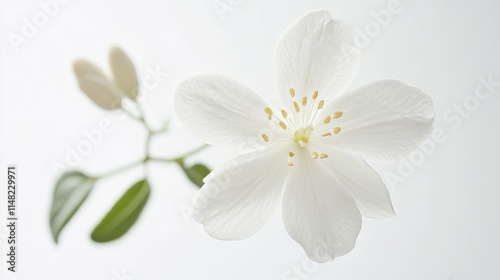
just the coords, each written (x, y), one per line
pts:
(304, 112)
(301, 136)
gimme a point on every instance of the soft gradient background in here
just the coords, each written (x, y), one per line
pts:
(448, 208)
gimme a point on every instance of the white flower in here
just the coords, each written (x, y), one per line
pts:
(310, 153)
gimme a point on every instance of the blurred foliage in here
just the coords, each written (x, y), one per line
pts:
(113, 92)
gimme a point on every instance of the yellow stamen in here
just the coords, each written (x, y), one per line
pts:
(292, 92)
(315, 95)
(326, 134)
(291, 154)
(290, 164)
(304, 101)
(269, 112)
(315, 155)
(296, 106)
(283, 125)
(323, 156)
(336, 130)
(284, 113)
(327, 119)
(264, 136)
(321, 104)
(337, 115)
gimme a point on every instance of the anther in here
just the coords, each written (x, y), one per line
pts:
(315, 95)
(264, 136)
(323, 156)
(292, 92)
(336, 130)
(304, 101)
(327, 119)
(269, 112)
(315, 155)
(337, 115)
(326, 134)
(321, 104)
(296, 106)
(290, 163)
(283, 125)
(291, 154)
(284, 113)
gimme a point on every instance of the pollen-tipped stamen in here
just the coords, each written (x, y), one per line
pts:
(265, 137)
(296, 106)
(321, 104)
(269, 113)
(336, 130)
(337, 115)
(290, 159)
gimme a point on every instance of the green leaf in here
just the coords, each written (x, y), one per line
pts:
(124, 213)
(70, 192)
(196, 173)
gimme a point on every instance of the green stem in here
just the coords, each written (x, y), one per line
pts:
(180, 159)
(147, 158)
(121, 169)
(148, 143)
(130, 114)
(139, 118)
(142, 119)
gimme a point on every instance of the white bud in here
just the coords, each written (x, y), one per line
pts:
(96, 86)
(124, 72)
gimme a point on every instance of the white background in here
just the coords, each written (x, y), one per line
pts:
(448, 208)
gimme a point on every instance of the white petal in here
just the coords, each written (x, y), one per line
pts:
(316, 53)
(359, 180)
(221, 110)
(317, 213)
(382, 120)
(95, 85)
(124, 72)
(240, 196)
